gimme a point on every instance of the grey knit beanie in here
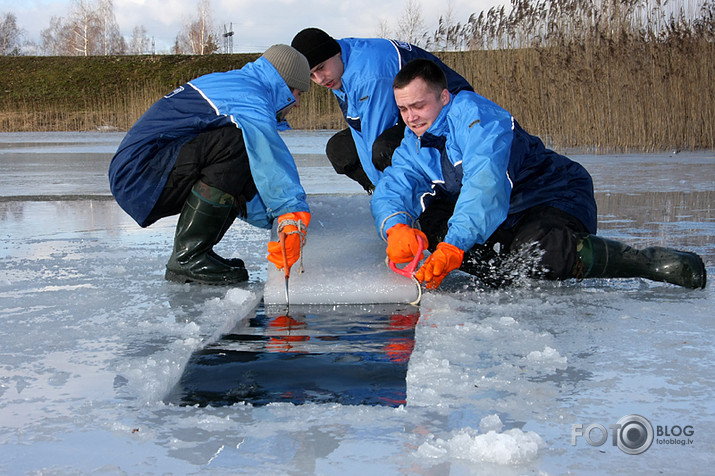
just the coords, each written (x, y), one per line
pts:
(291, 65)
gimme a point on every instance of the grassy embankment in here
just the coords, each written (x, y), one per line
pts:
(627, 95)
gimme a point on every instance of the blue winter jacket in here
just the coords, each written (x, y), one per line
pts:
(366, 98)
(476, 154)
(248, 98)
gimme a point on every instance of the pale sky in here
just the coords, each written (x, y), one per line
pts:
(256, 24)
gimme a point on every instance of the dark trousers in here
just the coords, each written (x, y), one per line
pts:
(343, 155)
(542, 244)
(217, 158)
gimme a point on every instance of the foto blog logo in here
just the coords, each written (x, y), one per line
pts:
(633, 434)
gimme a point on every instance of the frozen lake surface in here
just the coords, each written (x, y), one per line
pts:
(93, 340)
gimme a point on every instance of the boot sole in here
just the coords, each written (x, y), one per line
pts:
(183, 279)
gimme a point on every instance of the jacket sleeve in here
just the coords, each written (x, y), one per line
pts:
(397, 196)
(483, 136)
(250, 98)
(374, 104)
(272, 165)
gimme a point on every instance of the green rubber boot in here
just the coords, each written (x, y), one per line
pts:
(233, 262)
(202, 223)
(604, 258)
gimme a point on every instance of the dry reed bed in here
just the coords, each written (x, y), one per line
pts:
(609, 75)
(649, 96)
(644, 97)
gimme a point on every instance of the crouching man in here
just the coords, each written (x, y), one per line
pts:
(481, 193)
(210, 151)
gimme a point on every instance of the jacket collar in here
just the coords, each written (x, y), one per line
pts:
(280, 93)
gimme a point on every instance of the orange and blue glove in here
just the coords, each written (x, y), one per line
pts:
(294, 225)
(402, 244)
(445, 259)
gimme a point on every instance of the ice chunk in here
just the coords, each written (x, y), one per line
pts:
(549, 358)
(491, 423)
(510, 447)
(344, 260)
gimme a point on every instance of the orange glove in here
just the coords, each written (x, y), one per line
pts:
(445, 259)
(402, 244)
(295, 226)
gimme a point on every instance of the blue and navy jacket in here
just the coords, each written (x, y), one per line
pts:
(477, 155)
(366, 97)
(248, 98)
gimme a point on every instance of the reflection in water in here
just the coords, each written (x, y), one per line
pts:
(674, 219)
(348, 354)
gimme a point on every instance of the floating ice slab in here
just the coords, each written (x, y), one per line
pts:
(344, 260)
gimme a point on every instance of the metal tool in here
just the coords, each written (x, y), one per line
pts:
(409, 270)
(286, 268)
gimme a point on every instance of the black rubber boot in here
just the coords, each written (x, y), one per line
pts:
(201, 225)
(604, 258)
(232, 262)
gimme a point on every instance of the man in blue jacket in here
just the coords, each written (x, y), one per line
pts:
(359, 71)
(210, 151)
(486, 194)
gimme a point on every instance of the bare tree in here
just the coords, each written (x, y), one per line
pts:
(140, 42)
(383, 30)
(197, 37)
(10, 35)
(89, 29)
(57, 39)
(84, 24)
(411, 26)
(110, 38)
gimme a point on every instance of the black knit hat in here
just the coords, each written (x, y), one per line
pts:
(316, 45)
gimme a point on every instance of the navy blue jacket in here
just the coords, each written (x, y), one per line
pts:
(247, 98)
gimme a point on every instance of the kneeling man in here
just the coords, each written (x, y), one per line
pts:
(483, 194)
